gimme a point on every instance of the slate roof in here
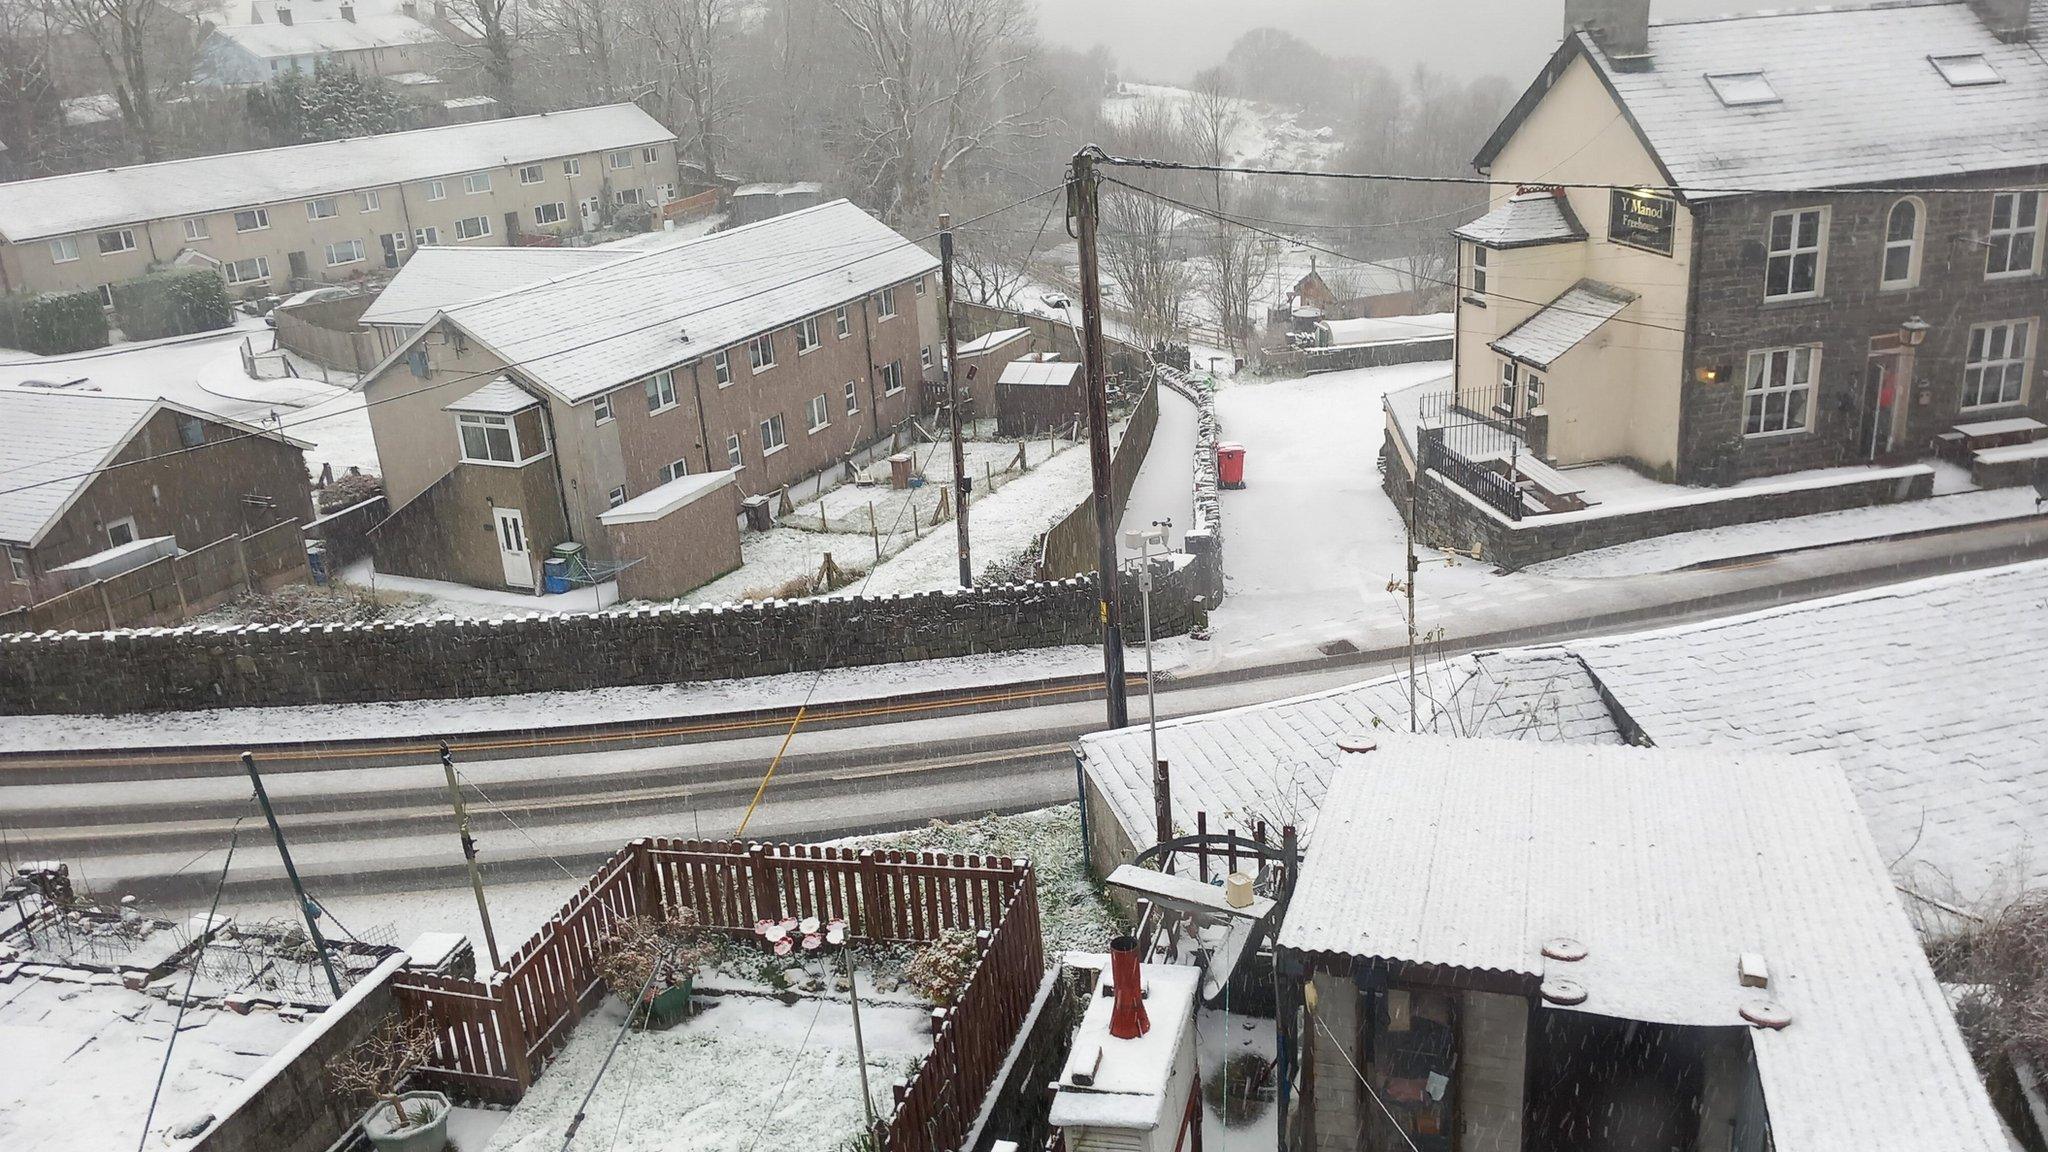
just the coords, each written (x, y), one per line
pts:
(437, 278)
(51, 442)
(586, 333)
(1666, 866)
(1525, 220)
(1557, 327)
(500, 396)
(85, 201)
(317, 37)
(1860, 103)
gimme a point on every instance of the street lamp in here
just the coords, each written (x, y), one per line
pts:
(1913, 332)
(1142, 541)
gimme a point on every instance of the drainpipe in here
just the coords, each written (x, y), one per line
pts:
(703, 430)
(867, 342)
(547, 419)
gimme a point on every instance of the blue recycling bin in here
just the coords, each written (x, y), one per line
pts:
(316, 560)
(554, 575)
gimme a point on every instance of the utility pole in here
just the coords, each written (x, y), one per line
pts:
(476, 876)
(306, 907)
(1082, 197)
(961, 480)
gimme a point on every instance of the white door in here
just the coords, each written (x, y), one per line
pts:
(512, 548)
(588, 207)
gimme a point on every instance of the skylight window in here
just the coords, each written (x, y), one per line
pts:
(1970, 70)
(1743, 89)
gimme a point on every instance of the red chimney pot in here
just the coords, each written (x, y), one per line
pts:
(1127, 1019)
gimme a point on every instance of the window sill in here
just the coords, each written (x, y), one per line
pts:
(773, 451)
(2004, 277)
(888, 316)
(893, 392)
(1982, 409)
(807, 351)
(668, 407)
(819, 428)
(1475, 301)
(1778, 435)
(1895, 289)
(727, 384)
(1793, 301)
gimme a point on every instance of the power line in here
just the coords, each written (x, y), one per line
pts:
(522, 363)
(1680, 190)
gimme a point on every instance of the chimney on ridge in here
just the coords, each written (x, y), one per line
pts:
(284, 15)
(1620, 27)
(348, 13)
(2009, 20)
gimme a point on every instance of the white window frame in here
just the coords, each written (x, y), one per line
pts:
(323, 208)
(437, 190)
(841, 323)
(124, 241)
(1997, 239)
(735, 451)
(370, 201)
(602, 409)
(483, 220)
(917, 286)
(1479, 270)
(196, 229)
(533, 170)
(1911, 245)
(60, 246)
(924, 356)
(806, 334)
(761, 352)
(17, 565)
(1796, 251)
(106, 292)
(2013, 361)
(476, 183)
(1532, 391)
(853, 397)
(615, 497)
(892, 373)
(650, 154)
(486, 424)
(623, 158)
(354, 246)
(625, 196)
(820, 413)
(773, 438)
(430, 234)
(885, 303)
(1510, 387)
(1758, 387)
(660, 391)
(561, 208)
(673, 470)
(259, 217)
(721, 367)
(260, 272)
(573, 166)
(127, 522)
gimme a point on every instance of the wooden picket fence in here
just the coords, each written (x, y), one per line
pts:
(496, 1034)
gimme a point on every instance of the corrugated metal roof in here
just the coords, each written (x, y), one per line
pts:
(1859, 103)
(1525, 219)
(1557, 327)
(588, 332)
(1666, 866)
(500, 396)
(84, 201)
(313, 37)
(440, 278)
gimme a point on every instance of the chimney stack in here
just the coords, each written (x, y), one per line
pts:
(1620, 27)
(2009, 20)
(1127, 1019)
(284, 15)
(348, 13)
(410, 8)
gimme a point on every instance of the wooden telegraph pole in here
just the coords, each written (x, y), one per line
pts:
(1082, 200)
(961, 480)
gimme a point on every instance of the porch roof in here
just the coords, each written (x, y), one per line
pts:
(500, 397)
(1524, 220)
(1558, 326)
(1667, 867)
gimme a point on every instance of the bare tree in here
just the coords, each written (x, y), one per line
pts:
(141, 44)
(943, 82)
(587, 43)
(490, 53)
(692, 42)
(1234, 261)
(1143, 237)
(992, 258)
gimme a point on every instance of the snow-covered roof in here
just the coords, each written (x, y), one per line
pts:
(1523, 220)
(1273, 761)
(1040, 373)
(51, 442)
(317, 37)
(1130, 1082)
(988, 340)
(658, 503)
(1390, 329)
(84, 201)
(499, 397)
(1557, 327)
(1667, 867)
(653, 310)
(440, 278)
(1859, 99)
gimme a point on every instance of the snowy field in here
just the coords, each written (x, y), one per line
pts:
(1263, 133)
(206, 373)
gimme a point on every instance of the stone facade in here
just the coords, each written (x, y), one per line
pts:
(1852, 317)
(183, 668)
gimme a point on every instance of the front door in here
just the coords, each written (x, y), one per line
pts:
(512, 548)
(297, 261)
(588, 208)
(1884, 401)
(390, 242)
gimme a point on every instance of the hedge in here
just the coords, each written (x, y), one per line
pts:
(54, 322)
(172, 303)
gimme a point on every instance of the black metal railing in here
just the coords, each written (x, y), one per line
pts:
(1493, 489)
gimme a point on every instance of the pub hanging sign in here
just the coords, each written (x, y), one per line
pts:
(1641, 219)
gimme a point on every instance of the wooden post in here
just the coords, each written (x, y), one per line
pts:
(1162, 803)
(178, 584)
(874, 531)
(106, 604)
(242, 563)
(511, 1036)
(766, 905)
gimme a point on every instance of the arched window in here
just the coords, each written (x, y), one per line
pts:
(1902, 232)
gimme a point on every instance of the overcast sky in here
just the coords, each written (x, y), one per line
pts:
(1166, 40)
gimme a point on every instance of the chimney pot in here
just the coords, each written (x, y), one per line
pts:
(2009, 20)
(1127, 1019)
(1620, 27)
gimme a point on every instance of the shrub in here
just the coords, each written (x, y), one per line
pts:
(943, 966)
(633, 218)
(53, 322)
(172, 303)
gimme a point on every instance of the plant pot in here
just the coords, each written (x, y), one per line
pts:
(381, 1125)
(670, 1006)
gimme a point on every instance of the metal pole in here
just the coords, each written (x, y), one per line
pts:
(1414, 482)
(1085, 185)
(1151, 688)
(306, 908)
(860, 1051)
(961, 480)
(476, 876)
